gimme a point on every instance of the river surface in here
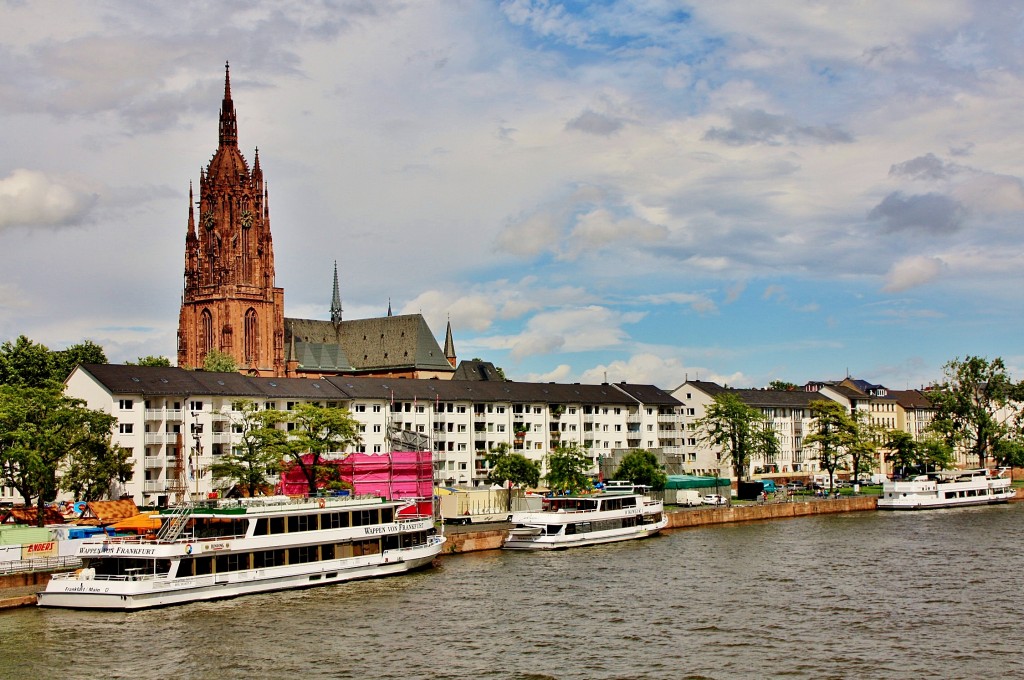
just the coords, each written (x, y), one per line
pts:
(931, 594)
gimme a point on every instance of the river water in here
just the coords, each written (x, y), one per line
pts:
(932, 594)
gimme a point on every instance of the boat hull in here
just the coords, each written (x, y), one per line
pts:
(539, 541)
(936, 504)
(70, 592)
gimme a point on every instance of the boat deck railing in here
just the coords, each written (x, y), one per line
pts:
(39, 564)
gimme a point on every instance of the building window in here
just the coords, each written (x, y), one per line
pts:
(376, 408)
(125, 404)
(195, 406)
(125, 428)
(376, 428)
(360, 408)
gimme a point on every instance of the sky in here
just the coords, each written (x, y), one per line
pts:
(643, 191)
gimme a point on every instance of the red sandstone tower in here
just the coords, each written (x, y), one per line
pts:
(230, 302)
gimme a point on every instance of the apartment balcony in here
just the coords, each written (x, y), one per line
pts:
(173, 414)
(154, 486)
(634, 418)
(221, 437)
(161, 437)
(670, 418)
(154, 414)
(154, 462)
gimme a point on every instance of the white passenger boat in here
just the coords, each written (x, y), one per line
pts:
(586, 519)
(228, 548)
(946, 489)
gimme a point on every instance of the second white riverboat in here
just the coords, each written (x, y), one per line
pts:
(227, 548)
(946, 489)
(586, 519)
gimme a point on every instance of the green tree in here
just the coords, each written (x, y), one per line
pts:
(863, 444)
(64, 361)
(219, 362)
(832, 436)
(150, 360)
(511, 469)
(641, 467)
(41, 431)
(24, 362)
(741, 433)
(567, 467)
(91, 472)
(972, 405)
(783, 386)
(259, 452)
(319, 431)
(902, 451)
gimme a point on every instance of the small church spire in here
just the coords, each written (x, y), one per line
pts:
(389, 305)
(336, 299)
(449, 344)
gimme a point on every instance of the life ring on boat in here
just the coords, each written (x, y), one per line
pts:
(322, 502)
(79, 507)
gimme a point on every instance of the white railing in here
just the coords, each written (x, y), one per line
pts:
(40, 564)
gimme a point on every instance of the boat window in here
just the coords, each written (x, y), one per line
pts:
(277, 525)
(629, 502)
(202, 566)
(362, 518)
(232, 562)
(327, 552)
(302, 554)
(370, 547)
(387, 515)
(301, 523)
(267, 558)
(334, 520)
(391, 542)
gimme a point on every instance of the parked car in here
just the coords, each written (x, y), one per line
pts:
(795, 486)
(713, 499)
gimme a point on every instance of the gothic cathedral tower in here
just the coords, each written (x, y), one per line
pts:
(230, 302)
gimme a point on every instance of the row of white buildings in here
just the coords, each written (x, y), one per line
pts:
(176, 422)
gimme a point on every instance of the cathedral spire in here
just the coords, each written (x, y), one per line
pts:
(389, 306)
(336, 299)
(191, 236)
(228, 122)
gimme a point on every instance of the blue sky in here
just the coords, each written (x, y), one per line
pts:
(641, 191)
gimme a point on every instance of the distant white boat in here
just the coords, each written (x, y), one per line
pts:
(587, 519)
(946, 489)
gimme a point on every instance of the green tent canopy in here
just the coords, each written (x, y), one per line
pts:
(694, 482)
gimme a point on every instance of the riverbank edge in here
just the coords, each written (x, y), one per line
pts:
(12, 587)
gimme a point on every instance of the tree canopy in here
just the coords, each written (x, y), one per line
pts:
(259, 452)
(49, 441)
(24, 362)
(641, 467)
(150, 360)
(741, 433)
(567, 468)
(977, 408)
(833, 434)
(318, 431)
(219, 362)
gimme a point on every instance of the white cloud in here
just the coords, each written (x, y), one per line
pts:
(913, 271)
(29, 198)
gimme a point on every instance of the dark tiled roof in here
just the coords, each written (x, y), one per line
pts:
(159, 381)
(911, 398)
(778, 398)
(155, 380)
(383, 343)
(476, 370)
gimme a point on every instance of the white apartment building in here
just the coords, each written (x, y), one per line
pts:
(787, 412)
(176, 422)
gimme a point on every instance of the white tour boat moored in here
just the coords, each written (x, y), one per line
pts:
(587, 519)
(946, 489)
(226, 548)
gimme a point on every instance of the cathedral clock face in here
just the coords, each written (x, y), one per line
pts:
(246, 219)
(208, 220)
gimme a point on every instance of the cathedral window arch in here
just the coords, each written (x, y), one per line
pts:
(205, 333)
(251, 336)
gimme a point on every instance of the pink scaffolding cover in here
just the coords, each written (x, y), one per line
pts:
(399, 474)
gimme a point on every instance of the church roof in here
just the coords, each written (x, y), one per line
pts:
(382, 343)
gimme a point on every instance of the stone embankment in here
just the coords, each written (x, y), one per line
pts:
(473, 541)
